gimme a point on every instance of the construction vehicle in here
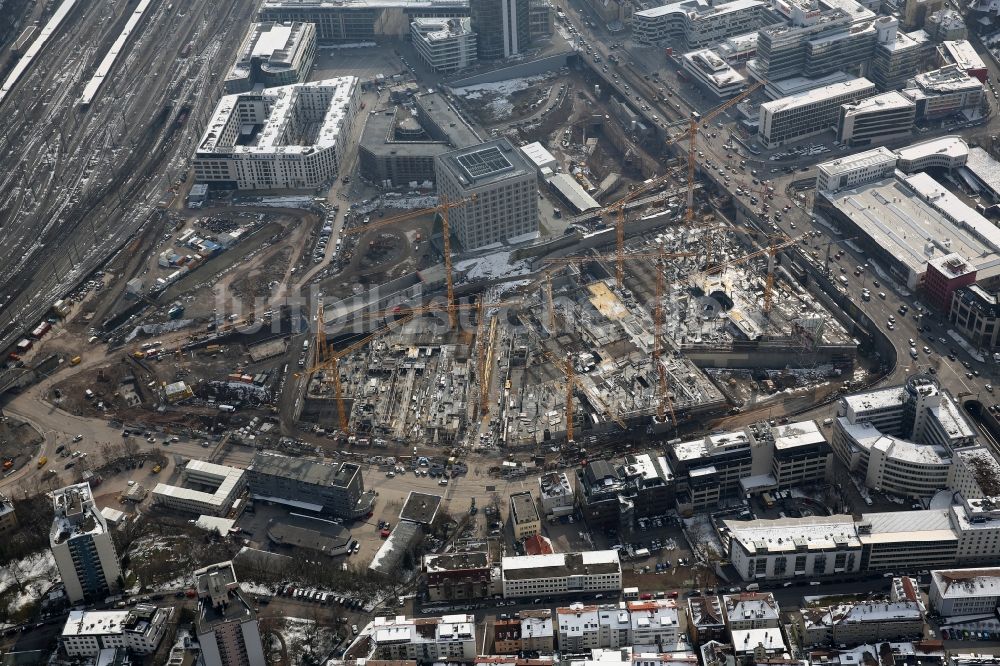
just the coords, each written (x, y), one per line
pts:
(441, 209)
(75, 360)
(42, 461)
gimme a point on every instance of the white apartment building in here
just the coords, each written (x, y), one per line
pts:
(504, 186)
(653, 622)
(450, 638)
(556, 493)
(853, 170)
(561, 573)
(974, 473)
(587, 627)
(694, 24)
(445, 44)
(82, 546)
(750, 610)
(285, 137)
(792, 118)
(958, 592)
(901, 438)
(229, 483)
(976, 522)
(140, 630)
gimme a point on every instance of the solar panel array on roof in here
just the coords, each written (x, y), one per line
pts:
(484, 162)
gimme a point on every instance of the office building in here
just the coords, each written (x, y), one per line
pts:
(615, 498)
(540, 21)
(336, 489)
(898, 55)
(976, 524)
(289, 137)
(876, 119)
(653, 622)
(446, 45)
(855, 623)
(853, 170)
(556, 493)
(504, 184)
(713, 73)
(138, 630)
(915, 12)
(206, 488)
(8, 518)
(901, 438)
(944, 91)
(426, 640)
(695, 24)
(273, 54)
(793, 118)
(962, 54)
(738, 49)
(524, 519)
(398, 148)
(561, 573)
(946, 152)
(710, 468)
(926, 221)
(360, 20)
(82, 546)
(944, 275)
(965, 592)
(503, 27)
(460, 575)
(975, 313)
(793, 454)
(946, 24)
(225, 624)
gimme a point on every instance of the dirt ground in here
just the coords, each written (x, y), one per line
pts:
(18, 443)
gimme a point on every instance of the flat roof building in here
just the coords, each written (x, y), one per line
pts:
(944, 91)
(460, 575)
(206, 488)
(140, 630)
(713, 73)
(876, 119)
(960, 52)
(273, 54)
(854, 170)
(898, 55)
(561, 573)
(572, 192)
(322, 537)
(808, 113)
(556, 493)
(524, 519)
(946, 152)
(286, 137)
(505, 186)
(445, 44)
(539, 156)
(225, 624)
(82, 546)
(944, 276)
(360, 20)
(427, 640)
(984, 171)
(335, 488)
(694, 24)
(860, 622)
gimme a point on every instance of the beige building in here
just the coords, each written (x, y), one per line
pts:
(524, 519)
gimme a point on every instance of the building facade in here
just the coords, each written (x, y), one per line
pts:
(975, 313)
(426, 640)
(226, 625)
(228, 484)
(853, 170)
(876, 119)
(503, 27)
(524, 519)
(504, 186)
(273, 54)
(289, 137)
(793, 118)
(944, 275)
(454, 576)
(958, 592)
(695, 24)
(446, 45)
(360, 20)
(561, 573)
(82, 546)
(139, 630)
(556, 494)
(944, 91)
(337, 489)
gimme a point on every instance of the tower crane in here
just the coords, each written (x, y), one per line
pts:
(441, 209)
(771, 252)
(573, 381)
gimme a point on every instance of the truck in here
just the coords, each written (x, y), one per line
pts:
(75, 360)
(42, 461)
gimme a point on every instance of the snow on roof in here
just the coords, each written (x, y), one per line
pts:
(816, 95)
(757, 606)
(953, 147)
(787, 534)
(907, 526)
(748, 640)
(890, 100)
(698, 8)
(961, 583)
(794, 435)
(962, 53)
(94, 623)
(862, 612)
(868, 158)
(537, 154)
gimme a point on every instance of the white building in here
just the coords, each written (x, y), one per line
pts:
(976, 522)
(876, 119)
(751, 610)
(944, 152)
(538, 155)
(82, 546)
(957, 592)
(961, 52)
(445, 44)
(693, 24)
(974, 473)
(450, 638)
(583, 627)
(758, 645)
(229, 483)
(944, 91)
(860, 622)
(226, 625)
(713, 72)
(286, 137)
(561, 573)
(556, 492)
(140, 630)
(793, 118)
(653, 622)
(853, 170)
(273, 54)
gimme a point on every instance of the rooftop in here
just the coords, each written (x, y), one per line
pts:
(554, 484)
(712, 445)
(952, 265)
(862, 160)
(948, 79)
(204, 472)
(697, 8)
(798, 434)
(560, 564)
(307, 532)
(861, 612)
(490, 162)
(570, 188)
(362, 5)
(815, 95)
(962, 53)
(961, 583)
(76, 514)
(303, 470)
(985, 169)
(787, 534)
(272, 46)
(758, 606)
(890, 100)
(953, 147)
(457, 561)
(906, 526)
(420, 508)
(435, 29)
(748, 640)
(538, 154)
(522, 506)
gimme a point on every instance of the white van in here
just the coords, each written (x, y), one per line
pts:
(752, 587)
